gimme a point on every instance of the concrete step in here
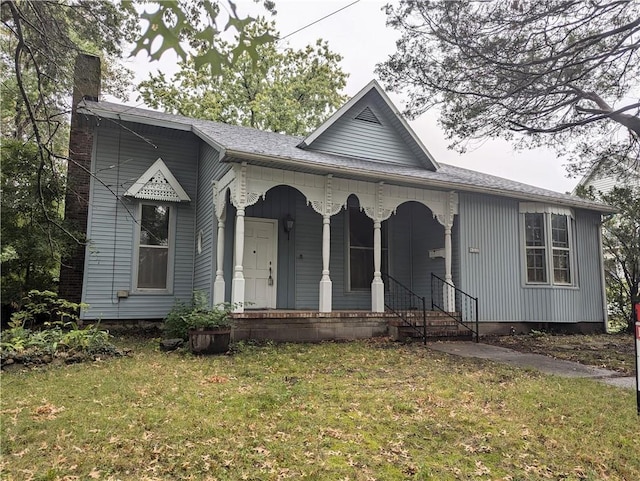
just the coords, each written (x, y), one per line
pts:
(439, 326)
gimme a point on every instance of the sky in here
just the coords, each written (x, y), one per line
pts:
(359, 34)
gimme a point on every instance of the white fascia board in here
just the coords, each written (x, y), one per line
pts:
(424, 183)
(141, 119)
(132, 117)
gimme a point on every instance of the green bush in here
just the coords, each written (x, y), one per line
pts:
(174, 324)
(40, 307)
(55, 338)
(196, 315)
(59, 333)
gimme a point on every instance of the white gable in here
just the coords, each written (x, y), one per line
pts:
(158, 183)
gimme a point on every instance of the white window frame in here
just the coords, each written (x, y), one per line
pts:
(547, 212)
(168, 289)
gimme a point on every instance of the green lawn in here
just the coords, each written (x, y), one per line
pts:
(358, 411)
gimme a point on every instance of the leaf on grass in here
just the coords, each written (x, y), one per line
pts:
(215, 380)
(94, 474)
(47, 411)
(21, 453)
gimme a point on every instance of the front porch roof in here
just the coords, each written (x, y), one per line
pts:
(238, 143)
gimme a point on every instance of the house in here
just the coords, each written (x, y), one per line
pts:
(603, 178)
(315, 237)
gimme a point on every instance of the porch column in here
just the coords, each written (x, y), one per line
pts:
(325, 281)
(449, 292)
(377, 286)
(218, 284)
(237, 285)
(445, 213)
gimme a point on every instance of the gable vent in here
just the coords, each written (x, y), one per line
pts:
(367, 115)
(158, 183)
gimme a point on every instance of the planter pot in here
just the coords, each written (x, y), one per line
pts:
(209, 341)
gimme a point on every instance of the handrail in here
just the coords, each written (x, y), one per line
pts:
(400, 300)
(466, 306)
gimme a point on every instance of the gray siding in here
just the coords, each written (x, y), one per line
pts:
(357, 138)
(209, 169)
(414, 232)
(120, 158)
(308, 255)
(495, 276)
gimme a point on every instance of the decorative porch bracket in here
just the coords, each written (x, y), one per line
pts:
(247, 184)
(445, 216)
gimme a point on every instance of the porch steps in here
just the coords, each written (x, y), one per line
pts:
(439, 326)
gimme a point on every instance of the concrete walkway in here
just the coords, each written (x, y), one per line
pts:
(542, 363)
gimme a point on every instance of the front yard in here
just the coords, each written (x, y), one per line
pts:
(610, 351)
(358, 411)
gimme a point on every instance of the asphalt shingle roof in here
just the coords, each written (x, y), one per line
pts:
(274, 147)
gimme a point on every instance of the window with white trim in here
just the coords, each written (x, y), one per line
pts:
(153, 252)
(548, 245)
(361, 249)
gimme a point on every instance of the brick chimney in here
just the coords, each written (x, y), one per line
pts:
(86, 86)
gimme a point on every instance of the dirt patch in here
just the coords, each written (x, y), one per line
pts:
(609, 351)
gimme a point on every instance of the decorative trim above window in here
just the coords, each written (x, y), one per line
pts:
(538, 208)
(159, 184)
(367, 115)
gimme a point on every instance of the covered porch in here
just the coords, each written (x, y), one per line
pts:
(288, 254)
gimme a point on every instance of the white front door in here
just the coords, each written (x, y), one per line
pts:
(260, 261)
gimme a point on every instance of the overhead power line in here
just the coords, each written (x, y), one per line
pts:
(319, 20)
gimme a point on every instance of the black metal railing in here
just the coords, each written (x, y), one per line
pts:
(465, 311)
(406, 304)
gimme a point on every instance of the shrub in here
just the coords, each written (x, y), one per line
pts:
(40, 307)
(196, 315)
(58, 335)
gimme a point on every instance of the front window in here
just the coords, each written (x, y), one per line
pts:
(536, 248)
(361, 249)
(548, 248)
(153, 247)
(561, 250)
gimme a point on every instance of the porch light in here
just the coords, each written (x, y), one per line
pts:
(288, 223)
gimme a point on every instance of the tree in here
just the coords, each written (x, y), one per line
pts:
(30, 248)
(559, 71)
(40, 41)
(621, 245)
(289, 91)
(196, 23)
